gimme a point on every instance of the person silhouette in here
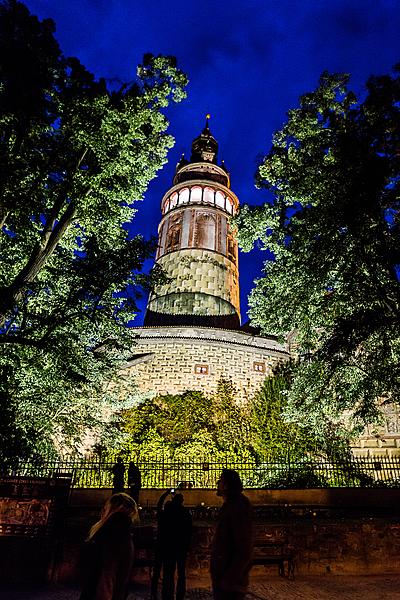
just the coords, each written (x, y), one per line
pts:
(118, 472)
(134, 481)
(232, 545)
(158, 551)
(175, 534)
(109, 552)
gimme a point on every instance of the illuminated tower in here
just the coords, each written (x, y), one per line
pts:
(196, 246)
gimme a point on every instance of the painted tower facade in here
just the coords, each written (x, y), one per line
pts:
(197, 248)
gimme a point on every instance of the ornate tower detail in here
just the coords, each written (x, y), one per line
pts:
(197, 247)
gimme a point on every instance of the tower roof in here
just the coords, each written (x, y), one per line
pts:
(205, 146)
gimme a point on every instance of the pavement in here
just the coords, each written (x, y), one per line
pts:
(315, 587)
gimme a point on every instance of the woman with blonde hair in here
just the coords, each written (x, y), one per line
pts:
(109, 551)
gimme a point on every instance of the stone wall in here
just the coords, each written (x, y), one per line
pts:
(383, 440)
(320, 544)
(345, 546)
(352, 546)
(202, 282)
(167, 360)
(335, 499)
(170, 360)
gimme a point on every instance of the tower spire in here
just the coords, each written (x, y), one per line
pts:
(205, 146)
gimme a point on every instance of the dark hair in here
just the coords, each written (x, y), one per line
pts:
(232, 480)
(177, 499)
(119, 502)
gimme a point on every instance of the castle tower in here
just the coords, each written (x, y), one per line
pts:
(197, 248)
(192, 336)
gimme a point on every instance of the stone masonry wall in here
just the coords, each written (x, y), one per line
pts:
(165, 361)
(209, 275)
(174, 359)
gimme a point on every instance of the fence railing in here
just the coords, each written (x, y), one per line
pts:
(355, 472)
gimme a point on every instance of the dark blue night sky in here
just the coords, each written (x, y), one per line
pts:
(248, 63)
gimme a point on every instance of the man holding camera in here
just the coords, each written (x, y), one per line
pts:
(173, 541)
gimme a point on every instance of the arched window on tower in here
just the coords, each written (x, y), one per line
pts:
(220, 199)
(205, 231)
(195, 194)
(208, 195)
(174, 234)
(184, 196)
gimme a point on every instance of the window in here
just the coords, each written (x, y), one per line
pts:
(184, 196)
(220, 199)
(174, 200)
(195, 194)
(201, 369)
(174, 233)
(229, 205)
(208, 195)
(160, 238)
(167, 205)
(205, 231)
(259, 367)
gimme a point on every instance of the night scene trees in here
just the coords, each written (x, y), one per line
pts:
(332, 225)
(75, 155)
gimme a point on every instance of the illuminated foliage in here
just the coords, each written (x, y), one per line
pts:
(277, 437)
(191, 426)
(75, 156)
(333, 226)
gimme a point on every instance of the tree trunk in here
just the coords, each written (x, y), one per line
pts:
(11, 294)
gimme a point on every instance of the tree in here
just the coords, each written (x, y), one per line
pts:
(333, 228)
(278, 438)
(75, 156)
(189, 426)
(192, 426)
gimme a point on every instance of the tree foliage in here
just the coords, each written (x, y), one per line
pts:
(278, 437)
(192, 426)
(74, 157)
(189, 426)
(333, 227)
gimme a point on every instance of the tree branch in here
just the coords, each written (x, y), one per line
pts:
(22, 341)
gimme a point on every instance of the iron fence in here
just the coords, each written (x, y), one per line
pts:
(308, 473)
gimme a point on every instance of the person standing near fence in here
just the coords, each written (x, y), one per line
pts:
(118, 472)
(134, 481)
(109, 552)
(232, 545)
(158, 551)
(175, 534)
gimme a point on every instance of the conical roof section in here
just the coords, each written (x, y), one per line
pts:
(205, 146)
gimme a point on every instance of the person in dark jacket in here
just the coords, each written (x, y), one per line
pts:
(134, 481)
(118, 472)
(232, 545)
(158, 552)
(175, 535)
(109, 551)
